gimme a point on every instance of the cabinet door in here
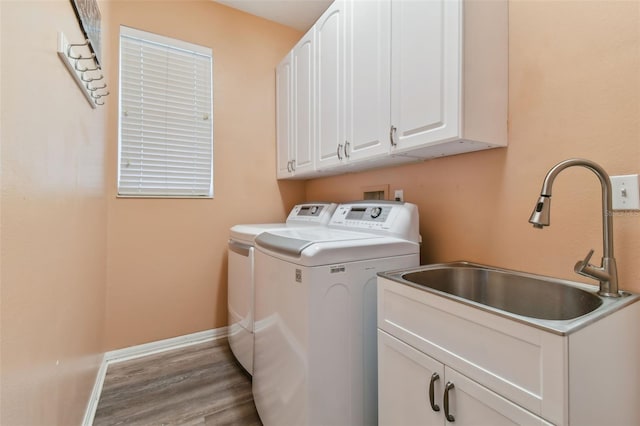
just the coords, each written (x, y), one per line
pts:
(404, 376)
(284, 121)
(404, 379)
(472, 404)
(425, 71)
(330, 79)
(304, 103)
(368, 84)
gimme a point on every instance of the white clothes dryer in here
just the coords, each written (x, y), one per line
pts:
(240, 292)
(315, 360)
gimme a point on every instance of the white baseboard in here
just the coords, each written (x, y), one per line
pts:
(151, 348)
(138, 351)
(92, 405)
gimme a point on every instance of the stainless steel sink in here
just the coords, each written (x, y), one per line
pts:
(545, 302)
(518, 294)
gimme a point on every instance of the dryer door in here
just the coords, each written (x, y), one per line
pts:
(240, 295)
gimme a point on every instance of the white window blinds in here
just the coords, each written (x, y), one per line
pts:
(166, 128)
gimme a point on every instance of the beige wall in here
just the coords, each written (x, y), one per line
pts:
(167, 258)
(53, 254)
(574, 89)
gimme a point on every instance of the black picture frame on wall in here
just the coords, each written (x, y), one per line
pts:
(88, 15)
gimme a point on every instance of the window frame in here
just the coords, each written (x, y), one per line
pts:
(172, 43)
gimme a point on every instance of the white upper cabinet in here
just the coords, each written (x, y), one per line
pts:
(449, 76)
(353, 57)
(284, 121)
(425, 71)
(330, 85)
(368, 84)
(295, 110)
(304, 131)
(398, 81)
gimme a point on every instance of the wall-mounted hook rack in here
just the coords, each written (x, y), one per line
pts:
(71, 55)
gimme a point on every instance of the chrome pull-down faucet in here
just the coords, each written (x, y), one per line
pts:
(607, 272)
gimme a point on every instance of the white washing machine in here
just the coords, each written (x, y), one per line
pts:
(240, 292)
(315, 360)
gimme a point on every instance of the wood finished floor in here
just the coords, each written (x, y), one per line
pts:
(196, 385)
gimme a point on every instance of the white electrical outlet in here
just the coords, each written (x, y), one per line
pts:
(626, 192)
(398, 195)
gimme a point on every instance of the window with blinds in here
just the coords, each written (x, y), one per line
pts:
(166, 126)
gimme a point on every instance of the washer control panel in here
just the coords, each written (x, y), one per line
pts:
(366, 216)
(372, 213)
(388, 218)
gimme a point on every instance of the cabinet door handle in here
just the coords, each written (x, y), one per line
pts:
(338, 151)
(392, 136)
(289, 166)
(447, 414)
(346, 149)
(293, 165)
(434, 378)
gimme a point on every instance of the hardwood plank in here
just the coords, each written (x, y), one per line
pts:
(196, 385)
(242, 414)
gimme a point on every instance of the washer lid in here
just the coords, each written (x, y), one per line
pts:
(248, 233)
(284, 245)
(320, 246)
(292, 241)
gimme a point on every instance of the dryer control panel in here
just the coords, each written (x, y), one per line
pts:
(312, 213)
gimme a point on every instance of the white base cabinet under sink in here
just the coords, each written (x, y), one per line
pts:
(418, 376)
(499, 371)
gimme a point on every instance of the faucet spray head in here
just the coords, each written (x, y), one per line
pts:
(540, 216)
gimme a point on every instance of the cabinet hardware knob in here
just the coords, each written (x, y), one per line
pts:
(434, 378)
(392, 136)
(447, 414)
(338, 151)
(346, 149)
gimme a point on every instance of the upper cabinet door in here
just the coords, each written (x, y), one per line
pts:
(304, 103)
(330, 90)
(368, 86)
(425, 71)
(284, 123)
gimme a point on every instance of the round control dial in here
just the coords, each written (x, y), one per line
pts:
(314, 209)
(375, 212)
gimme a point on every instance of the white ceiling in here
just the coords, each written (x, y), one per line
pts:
(298, 14)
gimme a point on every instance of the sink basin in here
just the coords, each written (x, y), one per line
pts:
(552, 304)
(518, 294)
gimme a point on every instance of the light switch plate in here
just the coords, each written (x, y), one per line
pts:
(626, 192)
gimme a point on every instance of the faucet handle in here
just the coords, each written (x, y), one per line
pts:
(582, 264)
